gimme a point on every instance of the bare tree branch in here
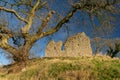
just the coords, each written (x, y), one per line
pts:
(45, 21)
(5, 34)
(28, 3)
(76, 7)
(92, 5)
(14, 12)
(59, 25)
(5, 30)
(5, 45)
(27, 27)
(32, 39)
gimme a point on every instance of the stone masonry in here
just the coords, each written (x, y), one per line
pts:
(77, 45)
(53, 49)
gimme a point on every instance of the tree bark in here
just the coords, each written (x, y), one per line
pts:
(22, 54)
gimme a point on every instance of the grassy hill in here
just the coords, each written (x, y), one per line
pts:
(80, 68)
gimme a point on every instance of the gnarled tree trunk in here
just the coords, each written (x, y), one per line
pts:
(22, 55)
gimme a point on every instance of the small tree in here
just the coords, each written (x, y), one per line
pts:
(112, 52)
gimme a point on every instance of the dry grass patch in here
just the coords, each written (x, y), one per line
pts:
(68, 68)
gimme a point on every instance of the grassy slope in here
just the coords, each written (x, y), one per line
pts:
(82, 68)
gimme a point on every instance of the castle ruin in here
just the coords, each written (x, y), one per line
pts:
(77, 45)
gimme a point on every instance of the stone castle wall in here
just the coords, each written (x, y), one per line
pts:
(77, 45)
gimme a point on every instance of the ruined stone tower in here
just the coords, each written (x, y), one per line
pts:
(77, 45)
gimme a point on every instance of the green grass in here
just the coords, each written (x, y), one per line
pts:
(80, 68)
(57, 68)
(107, 70)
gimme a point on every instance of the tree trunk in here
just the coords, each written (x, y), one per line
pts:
(22, 54)
(20, 57)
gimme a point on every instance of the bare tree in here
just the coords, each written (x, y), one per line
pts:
(21, 54)
(105, 27)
